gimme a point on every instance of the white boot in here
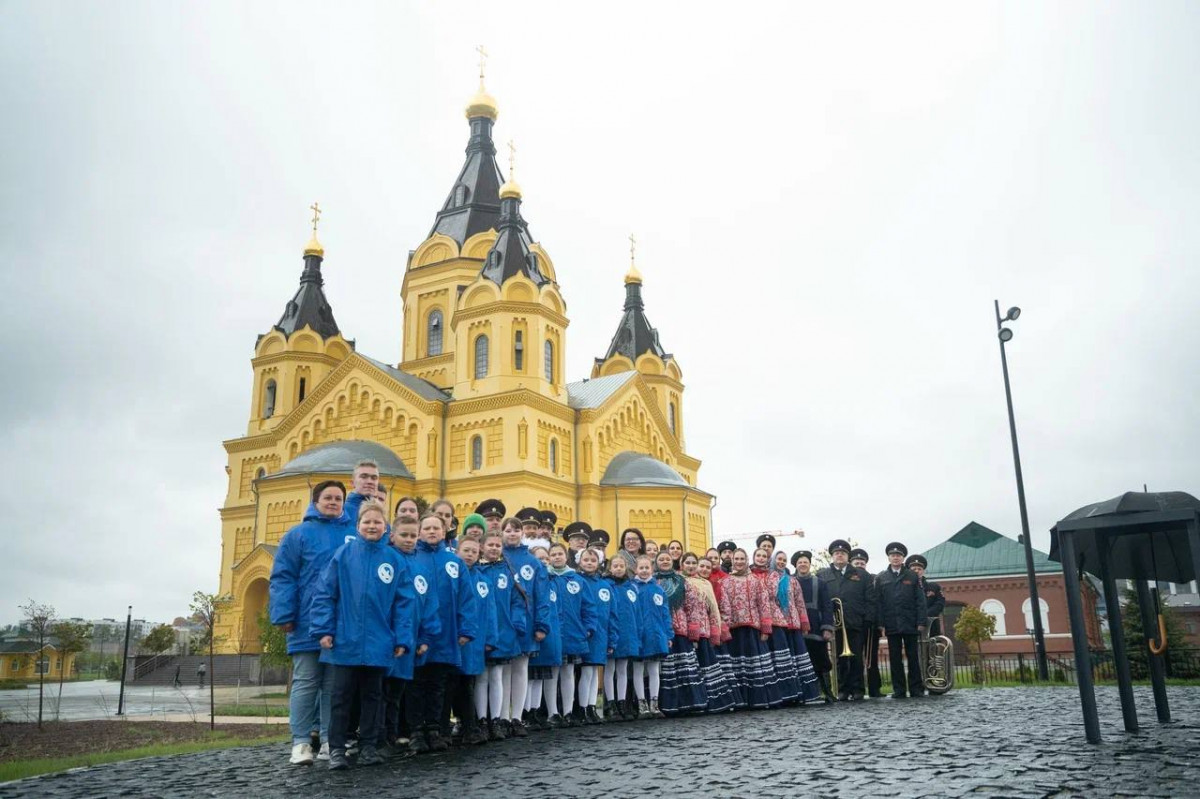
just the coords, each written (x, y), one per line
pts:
(324, 753)
(302, 755)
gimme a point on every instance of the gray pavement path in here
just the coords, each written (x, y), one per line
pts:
(995, 742)
(98, 699)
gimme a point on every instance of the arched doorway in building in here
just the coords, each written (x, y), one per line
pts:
(254, 604)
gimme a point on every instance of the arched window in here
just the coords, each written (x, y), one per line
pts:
(434, 334)
(476, 453)
(303, 389)
(268, 409)
(554, 455)
(481, 357)
(519, 351)
(260, 474)
(550, 360)
(671, 418)
(1026, 609)
(995, 609)
(460, 195)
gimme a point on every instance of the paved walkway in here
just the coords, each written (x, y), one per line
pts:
(98, 699)
(996, 742)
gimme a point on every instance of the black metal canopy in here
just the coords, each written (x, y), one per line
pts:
(1146, 535)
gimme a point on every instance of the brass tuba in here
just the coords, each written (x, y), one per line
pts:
(937, 660)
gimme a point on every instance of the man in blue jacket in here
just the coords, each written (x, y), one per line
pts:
(303, 554)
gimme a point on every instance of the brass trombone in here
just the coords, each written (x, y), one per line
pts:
(839, 623)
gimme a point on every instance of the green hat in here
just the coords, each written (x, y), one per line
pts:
(474, 520)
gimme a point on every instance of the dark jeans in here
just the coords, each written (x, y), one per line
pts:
(901, 645)
(871, 654)
(850, 669)
(460, 698)
(348, 681)
(818, 653)
(390, 718)
(424, 698)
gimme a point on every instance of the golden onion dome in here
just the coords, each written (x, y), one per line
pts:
(633, 276)
(482, 105)
(314, 247)
(510, 189)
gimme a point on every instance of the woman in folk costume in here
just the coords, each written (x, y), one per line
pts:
(798, 626)
(704, 626)
(682, 685)
(708, 569)
(745, 608)
(786, 675)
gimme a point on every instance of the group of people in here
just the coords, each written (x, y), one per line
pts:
(410, 632)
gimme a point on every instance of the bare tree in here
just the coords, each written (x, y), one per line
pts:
(39, 618)
(206, 609)
(73, 638)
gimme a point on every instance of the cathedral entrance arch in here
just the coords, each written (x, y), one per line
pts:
(254, 604)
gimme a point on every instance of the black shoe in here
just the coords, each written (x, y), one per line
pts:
(899, 696)
(591, 716)
(436, 742)
(580, 715)
(337, 760)
(498, 730)
(477, 735)
(554, 722)
(857, 696)
(517, 729)
(843, 697)
(368, 756)
(418, 745)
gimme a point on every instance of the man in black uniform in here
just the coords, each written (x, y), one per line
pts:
(935, 601)
(901, 615)
(725, 551)
(859, 559)
(577, 534)
(857, 591)
(549, 519)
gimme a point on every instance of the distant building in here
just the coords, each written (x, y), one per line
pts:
(980, 567)
(19, 660)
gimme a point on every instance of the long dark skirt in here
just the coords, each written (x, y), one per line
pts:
(752, 669)
(783, 666)
(810, 689)
(725, 661)
(681, 688)
(716, 682)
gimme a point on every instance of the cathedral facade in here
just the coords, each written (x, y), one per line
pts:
(479, 405)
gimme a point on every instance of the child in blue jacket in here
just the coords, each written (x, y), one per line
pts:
(657, 633)
(629, 640)
(362, 615)
(531, 582)
(460, 686)
(459, 625)
(604, 637)
(303, 554)
(544, 663)
(508, 604)
(577, 615)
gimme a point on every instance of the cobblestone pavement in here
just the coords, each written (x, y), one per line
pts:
(996, 742)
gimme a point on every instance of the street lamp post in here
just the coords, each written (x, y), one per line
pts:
(1039, 635)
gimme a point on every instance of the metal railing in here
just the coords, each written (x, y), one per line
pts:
(971, 669)
(149, 665)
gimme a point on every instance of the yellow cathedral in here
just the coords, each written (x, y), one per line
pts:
(478, 407)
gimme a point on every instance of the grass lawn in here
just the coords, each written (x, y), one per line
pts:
(59, 746)
(249, 710)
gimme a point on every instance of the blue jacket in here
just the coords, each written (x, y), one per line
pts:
(456, 603)
(606, 632)
(365, 602)
(510, 611)
(628, 619)
(475, 652)
(303, 554)
(576, 612)
(550, 651)
(427, 623)
(655, 613)
(534, 581)
(820, 610)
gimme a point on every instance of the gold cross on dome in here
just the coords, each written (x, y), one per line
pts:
(632, 248)
(512, 158)
(316, 209)
(483, 54)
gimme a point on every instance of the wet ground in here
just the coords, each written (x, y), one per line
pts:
(997, 742)
(99, 699)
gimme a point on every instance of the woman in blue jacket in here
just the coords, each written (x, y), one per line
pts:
(362, 615)
(577, 615)
(657, 633)
(456, 611)
(509, 607)
(604, 636)
(532, 584)
(303, 554)
(628, 644)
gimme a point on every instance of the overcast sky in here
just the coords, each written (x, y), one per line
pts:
(828, 200)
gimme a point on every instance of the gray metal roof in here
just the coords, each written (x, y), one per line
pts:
(422, 388)
(340, 457)
(592, 393)
(638, 469)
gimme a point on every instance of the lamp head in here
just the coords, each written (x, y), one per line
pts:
(1012, 315)
(1005, 334)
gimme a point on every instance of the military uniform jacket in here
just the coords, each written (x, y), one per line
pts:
(856, 588)
(901, 602)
